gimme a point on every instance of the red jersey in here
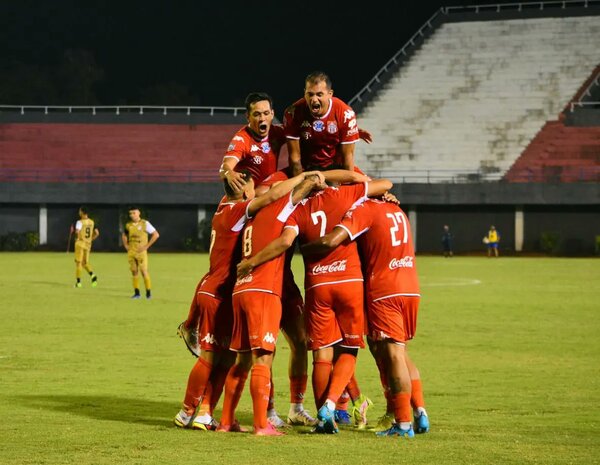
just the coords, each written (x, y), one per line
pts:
(257, 156)
(316, 216)
(260, 231)
(387, 248)
(227, 224)
(320, 137)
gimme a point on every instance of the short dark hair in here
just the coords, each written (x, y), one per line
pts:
(246, 176)
(133, 207)
(83, 209)
(254, 97)
(318, 76)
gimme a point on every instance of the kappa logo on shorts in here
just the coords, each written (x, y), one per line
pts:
(209, 339)
(269, 338)
(404, 262)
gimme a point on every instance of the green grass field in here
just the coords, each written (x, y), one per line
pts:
(509, 352)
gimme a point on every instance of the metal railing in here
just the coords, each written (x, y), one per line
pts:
(118, 109)
(521, 6)
(497, 7)
(433, 176)
(581, 104)
(395, 59)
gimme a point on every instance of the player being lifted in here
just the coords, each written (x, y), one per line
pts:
(321, 129)
(136, 242)
(333, 287)
(392, 297)
(85, 234)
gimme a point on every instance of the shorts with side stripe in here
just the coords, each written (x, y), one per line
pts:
(334, 313)
(393, 318)
(256, 320)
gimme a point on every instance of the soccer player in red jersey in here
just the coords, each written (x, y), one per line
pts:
(256, 146)
(321, 129)
(392, 291)
(334, 288)
(211, 307)
(257, 308)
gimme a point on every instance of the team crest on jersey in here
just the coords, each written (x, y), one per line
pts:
(231, 147)
(305, 135)
(265, 147)
(332, 127)
(318, 125)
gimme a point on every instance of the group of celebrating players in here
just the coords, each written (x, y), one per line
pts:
(348, 226)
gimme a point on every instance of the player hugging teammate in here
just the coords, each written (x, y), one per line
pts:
(240, 310)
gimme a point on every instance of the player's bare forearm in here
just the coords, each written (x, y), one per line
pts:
(293, 147)
(305, 188)
(348, 156)
(274, 249)
(344, 176)
(125, 242)
(326, 243)
(378, 187)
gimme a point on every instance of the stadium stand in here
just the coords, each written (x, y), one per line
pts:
(559, 153)
(473, 96)
(112, 152)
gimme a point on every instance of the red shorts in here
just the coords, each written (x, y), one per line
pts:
(256, 319)
(334, 313)
(393, 318)
(215, 322)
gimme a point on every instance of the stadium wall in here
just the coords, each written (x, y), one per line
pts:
(570, 211)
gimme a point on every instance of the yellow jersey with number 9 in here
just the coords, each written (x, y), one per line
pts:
(85, 233)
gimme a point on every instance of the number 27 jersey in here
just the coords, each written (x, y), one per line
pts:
(387, 249)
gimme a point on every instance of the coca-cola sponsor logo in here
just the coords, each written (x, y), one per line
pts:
(404, 262)
(338, 265)
(244, 280)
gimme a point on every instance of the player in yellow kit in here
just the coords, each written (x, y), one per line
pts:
(85, 233)
(136, 242)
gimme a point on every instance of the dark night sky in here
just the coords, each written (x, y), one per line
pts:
(219, 50)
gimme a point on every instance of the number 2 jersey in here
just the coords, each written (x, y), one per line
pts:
(316, 216)
(387, 249)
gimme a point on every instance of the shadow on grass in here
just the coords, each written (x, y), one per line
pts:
(112, 408)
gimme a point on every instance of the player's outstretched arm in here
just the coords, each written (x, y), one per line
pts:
(234, 179)
(347, 156)
(96, 234)
(274, 249)
(278, 191)
(344, 177)
(293, 146)
(378, 187)
(325, 243)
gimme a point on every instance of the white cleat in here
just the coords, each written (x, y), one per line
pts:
(182, 419)
(274, 419)
(205, 423)
(301, 418)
